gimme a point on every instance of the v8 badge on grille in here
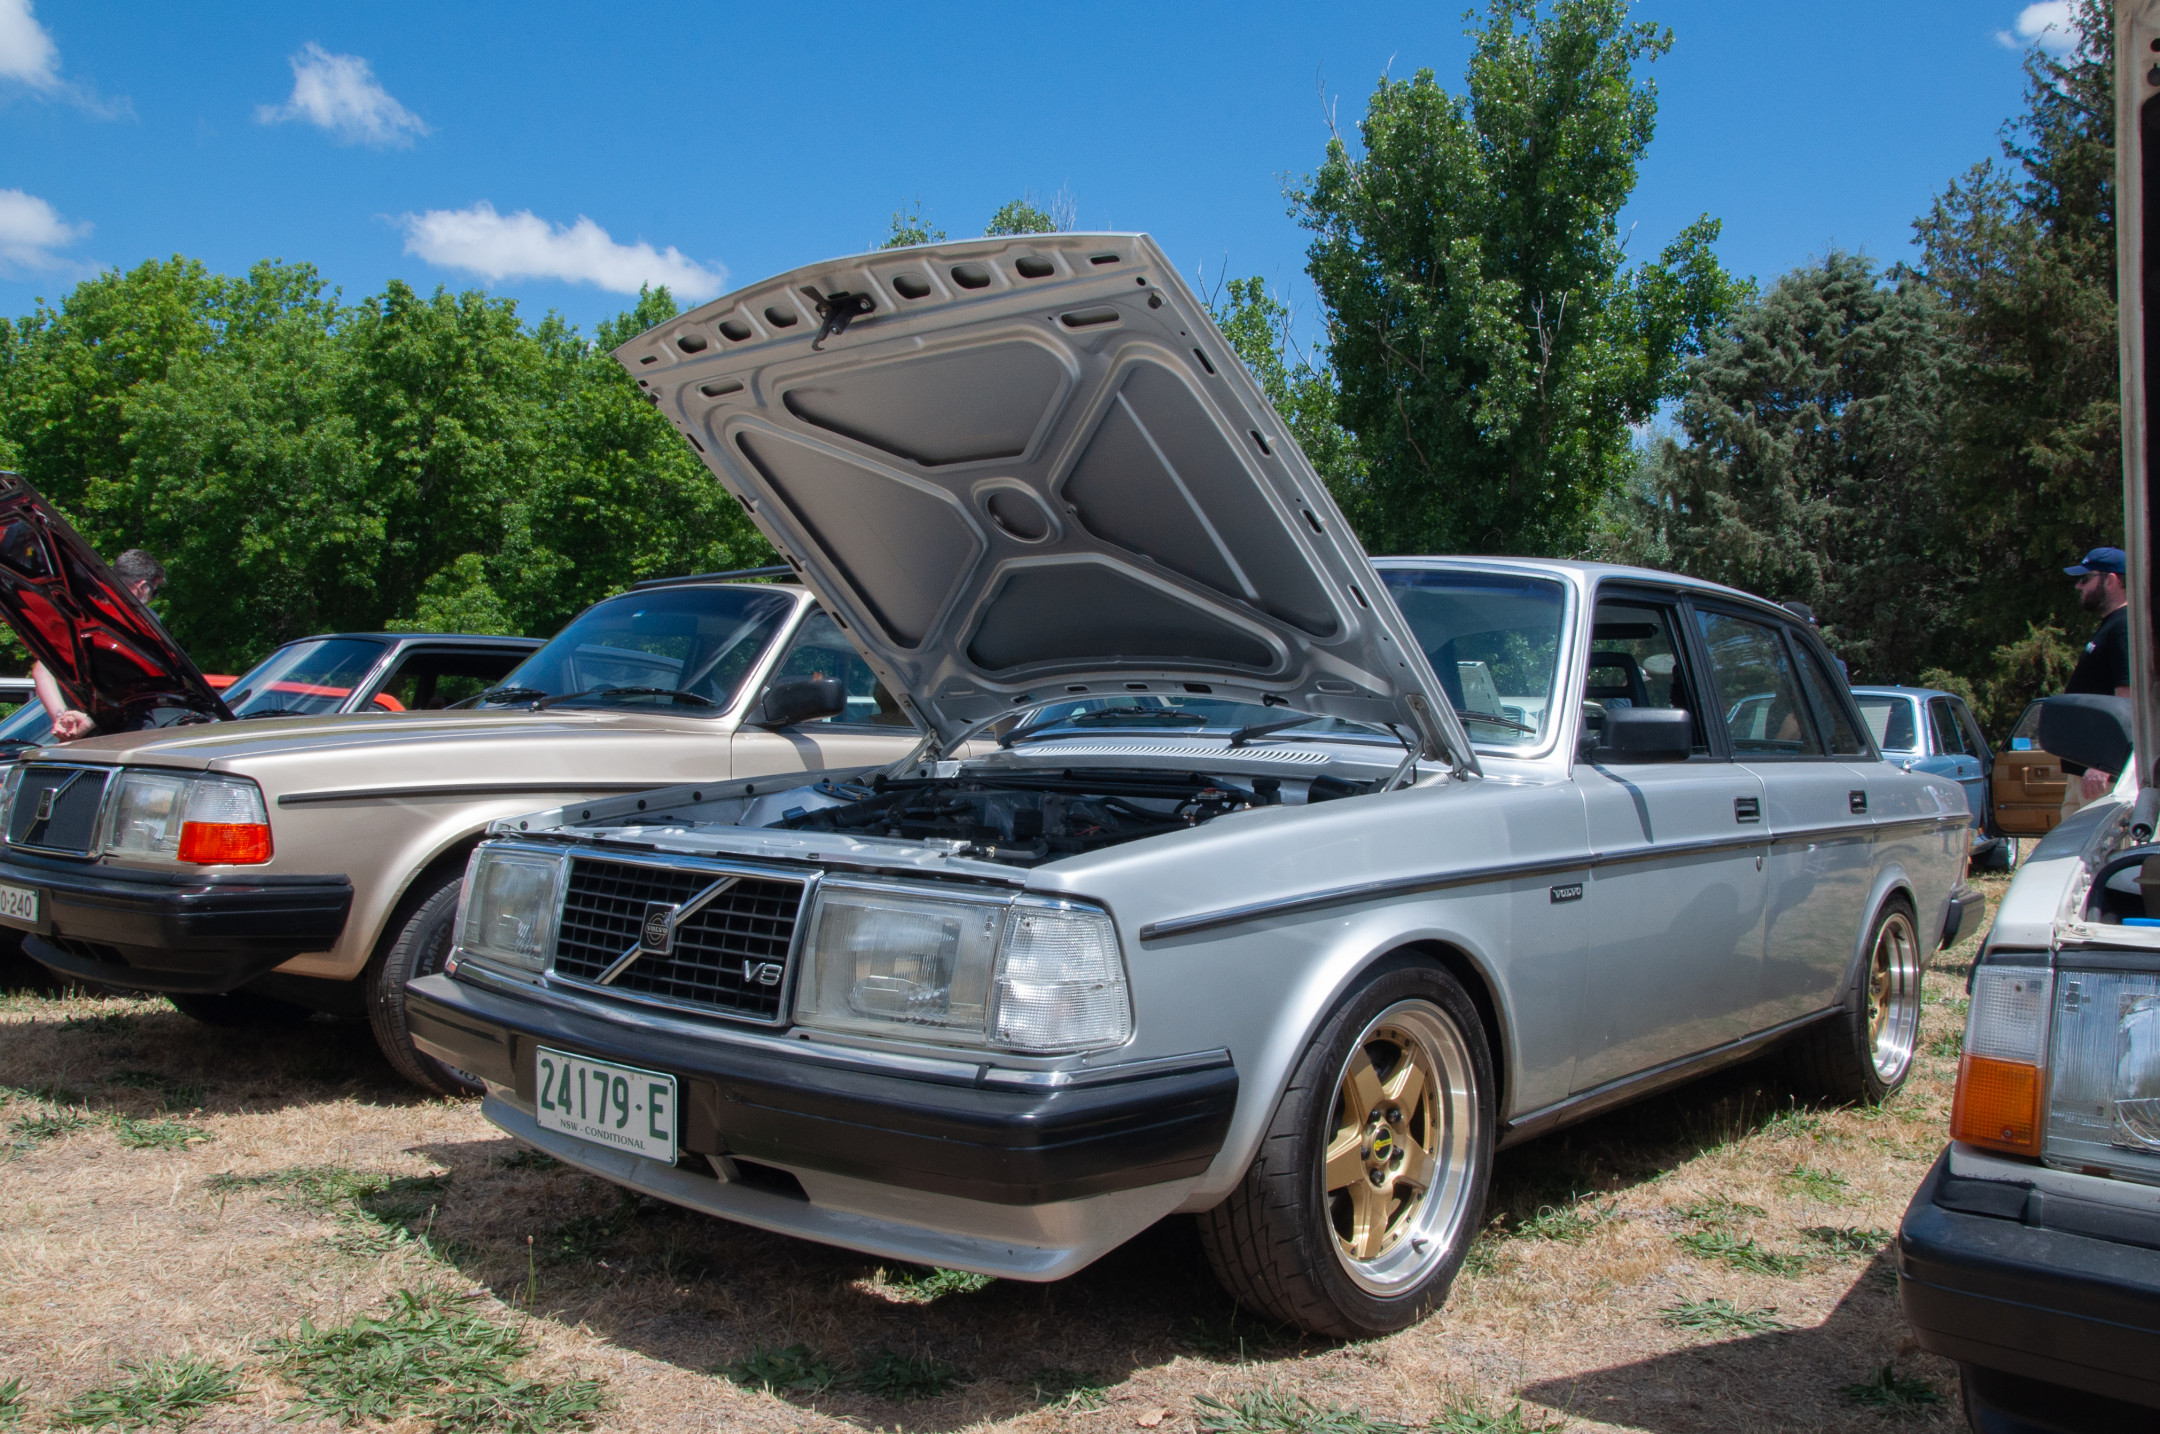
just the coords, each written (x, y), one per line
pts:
(656, 934)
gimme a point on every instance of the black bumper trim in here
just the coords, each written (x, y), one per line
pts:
(177, 931)
(1967, 906)
(2044, 1304)
(1007, 1147)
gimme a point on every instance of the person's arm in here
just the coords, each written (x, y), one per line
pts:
(68, 724)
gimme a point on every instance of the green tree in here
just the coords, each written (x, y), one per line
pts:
(1258, 326)
(1813, 427)
(910, 227)
(1025, 216)
(2022, 255)
(1492, 347)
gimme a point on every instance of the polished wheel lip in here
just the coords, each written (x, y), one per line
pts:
(1399, 1148)
(1893, 997)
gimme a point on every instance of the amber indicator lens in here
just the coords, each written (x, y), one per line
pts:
(1997, 1105)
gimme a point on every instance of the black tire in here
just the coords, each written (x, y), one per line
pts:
(1854, 1058)
(240, 1010)
(1278, 1243)
(415, 945)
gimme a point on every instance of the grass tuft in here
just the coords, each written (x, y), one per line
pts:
(1894, 1393)
(159, 1134)
(1069, 1388)
(11, 1403)
(1717, 1210)
(1272, 1411)
(921, 1284)
(1720, 1317)
(894, 1376)
(1469, 1419)
(1825, 1185)
(168, 1392)
(1745, 1255)
(1570, 1223)
(51, 1125)
(431, 1360)
(1847, 1239)
(1792, 1123)
(171, 1094)
(793, 1369)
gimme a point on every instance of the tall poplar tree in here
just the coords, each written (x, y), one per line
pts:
(1492, 344)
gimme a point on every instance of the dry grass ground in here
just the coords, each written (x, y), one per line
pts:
(1711, 1260)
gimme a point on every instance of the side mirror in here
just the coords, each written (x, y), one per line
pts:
(800, 699)
(1646, 734)
(2087, 728)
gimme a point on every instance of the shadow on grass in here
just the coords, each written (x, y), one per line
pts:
(1757, 1382)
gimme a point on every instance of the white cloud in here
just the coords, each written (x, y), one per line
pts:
(27, 53)
(30, 230)
(2046, 24)
(525, 246)
(339, 93)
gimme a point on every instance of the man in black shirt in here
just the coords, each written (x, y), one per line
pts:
(2104, 666)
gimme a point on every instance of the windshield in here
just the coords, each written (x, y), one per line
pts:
(304, 678)
(1494, 643)
(1891, 720)
(643, 647)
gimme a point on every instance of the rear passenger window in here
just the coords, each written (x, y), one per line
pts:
(1758, 695)
(1832, 719)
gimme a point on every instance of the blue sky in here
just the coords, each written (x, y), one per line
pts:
(463, 144)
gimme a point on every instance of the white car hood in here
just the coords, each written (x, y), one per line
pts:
(1031, 469)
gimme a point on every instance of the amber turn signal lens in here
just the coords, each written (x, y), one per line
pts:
(1997, 1105)
(225, 843)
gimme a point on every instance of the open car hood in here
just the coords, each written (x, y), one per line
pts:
(1030, 469)
(110, 654)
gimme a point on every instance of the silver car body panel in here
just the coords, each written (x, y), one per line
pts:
(1033, 469)
(1244, 933)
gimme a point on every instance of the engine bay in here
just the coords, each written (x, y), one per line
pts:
(1027, 818)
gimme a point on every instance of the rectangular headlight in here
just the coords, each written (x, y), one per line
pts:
(880, 959)
(507, 913)
(1038, 977)
(182, 817)
(2104, 1073)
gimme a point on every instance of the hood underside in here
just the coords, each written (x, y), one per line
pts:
(109, 653)
(1031, 469)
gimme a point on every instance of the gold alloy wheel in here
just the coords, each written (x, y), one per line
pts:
(1893, 997)
(1398, 1176)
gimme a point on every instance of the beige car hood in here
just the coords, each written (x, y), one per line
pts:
(1022, 470)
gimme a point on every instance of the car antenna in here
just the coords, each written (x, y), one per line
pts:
(836, 311)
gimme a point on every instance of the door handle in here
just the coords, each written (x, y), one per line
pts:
(1857, 802)
(1747, 809)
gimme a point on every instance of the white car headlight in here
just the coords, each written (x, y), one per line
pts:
(180, 816)
(1034, 977)
(507, 913)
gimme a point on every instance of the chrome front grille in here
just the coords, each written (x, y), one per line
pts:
(56, 809)
(729, 955)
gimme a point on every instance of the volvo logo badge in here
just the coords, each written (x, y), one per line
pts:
(45, 803)
(658, 932)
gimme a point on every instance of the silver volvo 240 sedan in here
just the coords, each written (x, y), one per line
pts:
(1239, 875)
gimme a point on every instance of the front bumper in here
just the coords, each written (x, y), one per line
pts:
(818, 1111)
(1983, 1282)
(185, 931)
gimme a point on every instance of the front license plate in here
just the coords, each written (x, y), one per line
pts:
(18, 905)
(620, 1107)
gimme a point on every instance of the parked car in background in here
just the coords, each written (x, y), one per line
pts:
(2029, 783)
(1924, 729)
(254, 870)
(1299, 886)
(17, 690)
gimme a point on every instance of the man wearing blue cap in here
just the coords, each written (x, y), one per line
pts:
(2104, 666)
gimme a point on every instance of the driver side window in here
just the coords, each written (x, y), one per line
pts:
(821, 649)
(1637, 660)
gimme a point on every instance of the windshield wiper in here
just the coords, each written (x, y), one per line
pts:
(1111, 716)
(675, 692)
(496, 694)
(1261, 729)
(1496, 721)
(277, 712)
